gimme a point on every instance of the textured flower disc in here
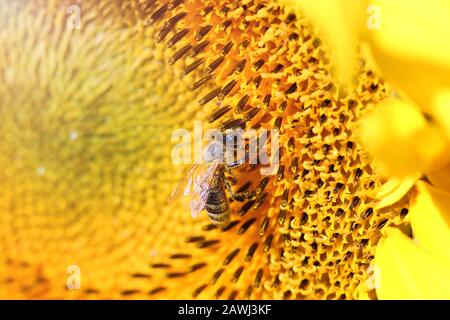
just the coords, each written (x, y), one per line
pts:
(87, 116)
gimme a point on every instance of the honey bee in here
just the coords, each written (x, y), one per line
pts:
(205, 185)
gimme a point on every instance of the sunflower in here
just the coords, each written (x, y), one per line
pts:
(408, 134)
(91, 93)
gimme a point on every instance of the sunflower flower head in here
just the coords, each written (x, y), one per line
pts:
(87, 116)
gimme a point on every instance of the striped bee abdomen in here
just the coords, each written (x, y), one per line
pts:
(217, 205)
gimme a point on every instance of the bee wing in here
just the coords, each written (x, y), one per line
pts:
(196, 185)
(185, 185)
(201, 187)
(198, 199)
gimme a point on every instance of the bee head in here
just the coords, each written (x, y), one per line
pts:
(213, 152)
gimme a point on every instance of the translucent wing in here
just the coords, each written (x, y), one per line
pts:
(184, 186)
(196, 185)
(201, 187)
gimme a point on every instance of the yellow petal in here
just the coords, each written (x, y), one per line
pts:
(419, 81)
(393, 190)
(440, 111)
(398, 136)
(340, 23)
(430, 219)
(416, 30)
(406, 271)
(411, 46)
(440, 178)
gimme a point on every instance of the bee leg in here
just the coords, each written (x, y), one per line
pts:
(227, 183)
(246, 195)
(233, 196)
(239, 196)
(230, 192)
(230, 174)
(231, 179)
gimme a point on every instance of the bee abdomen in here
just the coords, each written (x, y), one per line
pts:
(217, 207)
